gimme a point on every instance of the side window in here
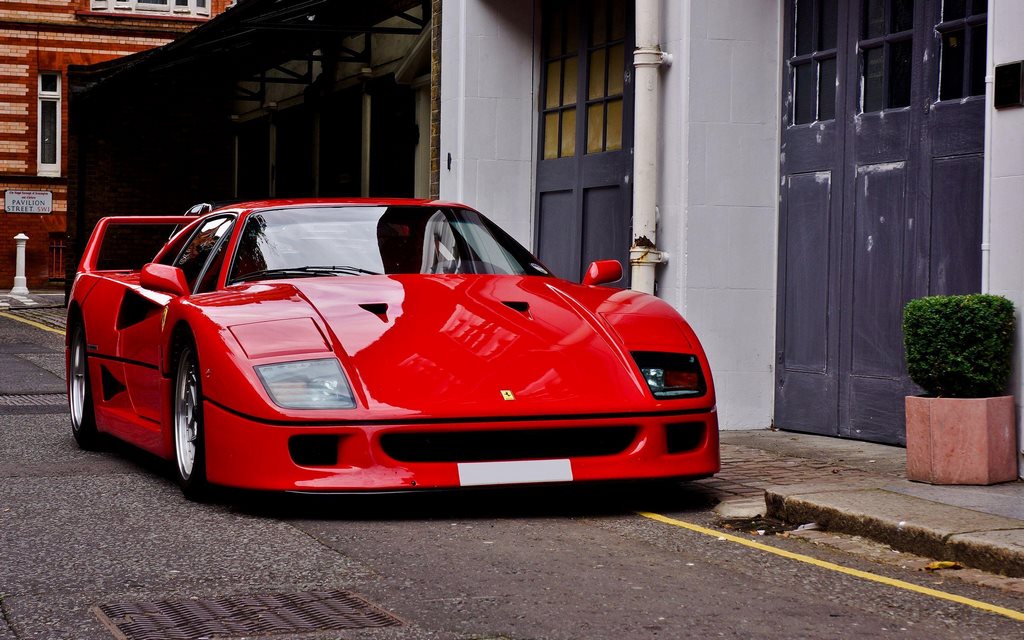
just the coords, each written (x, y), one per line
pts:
(964, 30)
(813, 60)
(194, 256)
(208, 281)
(440, 250)
(886, 46)
(169, 253)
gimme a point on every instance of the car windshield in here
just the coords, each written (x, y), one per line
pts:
(360, 240)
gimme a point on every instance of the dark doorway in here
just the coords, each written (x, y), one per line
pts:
(584, 197)
(294, 164)
(340, 143)
(394, 134)
(881, 198)
(252, 166)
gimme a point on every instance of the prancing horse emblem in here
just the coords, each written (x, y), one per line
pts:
(508, 395)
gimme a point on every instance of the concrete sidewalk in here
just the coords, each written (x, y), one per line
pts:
(860, 488)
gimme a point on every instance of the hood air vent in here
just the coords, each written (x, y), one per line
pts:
(379, 309)
(521, 307)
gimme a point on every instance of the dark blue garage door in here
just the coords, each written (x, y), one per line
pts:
(881, 198)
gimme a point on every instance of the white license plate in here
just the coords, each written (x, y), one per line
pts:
(474, 474)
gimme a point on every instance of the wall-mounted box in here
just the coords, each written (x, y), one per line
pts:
(1009, 84)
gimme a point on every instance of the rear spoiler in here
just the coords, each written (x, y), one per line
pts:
(91, 257)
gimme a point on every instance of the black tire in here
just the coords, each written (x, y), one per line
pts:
(83, 415)
(187, 424)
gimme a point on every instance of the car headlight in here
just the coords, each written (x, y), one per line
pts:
(307, 384)
(671, 375)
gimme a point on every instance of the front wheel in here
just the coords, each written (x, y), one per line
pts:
(189, 436)
(83, 418)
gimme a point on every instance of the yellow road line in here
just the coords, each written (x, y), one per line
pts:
(31, 323)
(831, 566)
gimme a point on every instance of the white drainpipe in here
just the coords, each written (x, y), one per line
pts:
(986, 198)
(644, 255)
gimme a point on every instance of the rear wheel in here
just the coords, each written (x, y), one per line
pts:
(189, 435)
(83, 417)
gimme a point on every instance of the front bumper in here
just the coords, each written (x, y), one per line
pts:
(244, 453)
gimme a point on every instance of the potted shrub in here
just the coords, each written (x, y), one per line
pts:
(958, 349)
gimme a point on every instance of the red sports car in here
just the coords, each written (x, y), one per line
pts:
(345, 345)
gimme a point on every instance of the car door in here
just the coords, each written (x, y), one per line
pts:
(140, 320)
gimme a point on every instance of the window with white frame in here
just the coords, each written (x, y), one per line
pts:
(49, 124)
(156, 7)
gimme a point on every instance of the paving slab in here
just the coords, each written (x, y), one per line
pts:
(1002, 499)
(741, 508)
(908, 524)
(990, 549)
(832, 485)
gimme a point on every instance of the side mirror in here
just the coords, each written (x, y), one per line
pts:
(603, 272)
(164, 278)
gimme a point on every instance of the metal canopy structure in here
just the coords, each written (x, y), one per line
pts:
(255, 40)
(207, 116)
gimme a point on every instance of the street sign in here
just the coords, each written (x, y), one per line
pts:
(28, 201)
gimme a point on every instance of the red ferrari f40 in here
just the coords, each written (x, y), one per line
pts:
(350, 345)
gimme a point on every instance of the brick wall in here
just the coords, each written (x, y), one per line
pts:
(48, 36)
(435, 100)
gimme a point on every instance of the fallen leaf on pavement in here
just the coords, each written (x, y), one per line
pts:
(943, 564)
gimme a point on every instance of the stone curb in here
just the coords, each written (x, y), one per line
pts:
(983, 541)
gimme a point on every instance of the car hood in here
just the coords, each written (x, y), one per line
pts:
(450, 346)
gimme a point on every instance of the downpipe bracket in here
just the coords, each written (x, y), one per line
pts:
(642, 256)
(651, 57)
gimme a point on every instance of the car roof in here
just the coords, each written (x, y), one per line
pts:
(289, 203)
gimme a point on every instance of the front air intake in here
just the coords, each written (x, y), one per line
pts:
(684, 436)
(314, 450)
(509, 444)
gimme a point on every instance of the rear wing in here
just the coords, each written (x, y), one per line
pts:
(126, 243)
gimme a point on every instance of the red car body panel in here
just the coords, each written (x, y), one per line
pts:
(423, 354)
(364, 465)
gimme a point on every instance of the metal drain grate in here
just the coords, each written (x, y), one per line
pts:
(40, 400)
(256, 615)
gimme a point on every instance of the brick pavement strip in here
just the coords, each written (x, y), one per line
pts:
(55, 317)
(749, 471)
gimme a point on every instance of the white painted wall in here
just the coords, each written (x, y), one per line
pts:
(718, 193)
(1005, 151)
(488, 121)
(718, 200)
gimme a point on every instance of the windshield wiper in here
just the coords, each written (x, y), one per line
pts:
(309, 271)
(339, 269)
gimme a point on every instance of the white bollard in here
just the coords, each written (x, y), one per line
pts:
(19, 266)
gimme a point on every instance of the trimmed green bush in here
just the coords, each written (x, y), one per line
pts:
(959, 346)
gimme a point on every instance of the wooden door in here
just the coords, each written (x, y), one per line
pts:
(901, 220)
(584, 198)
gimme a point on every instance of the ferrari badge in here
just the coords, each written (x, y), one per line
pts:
(508, 395)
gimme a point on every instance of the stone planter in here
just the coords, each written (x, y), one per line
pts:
(961, 440)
